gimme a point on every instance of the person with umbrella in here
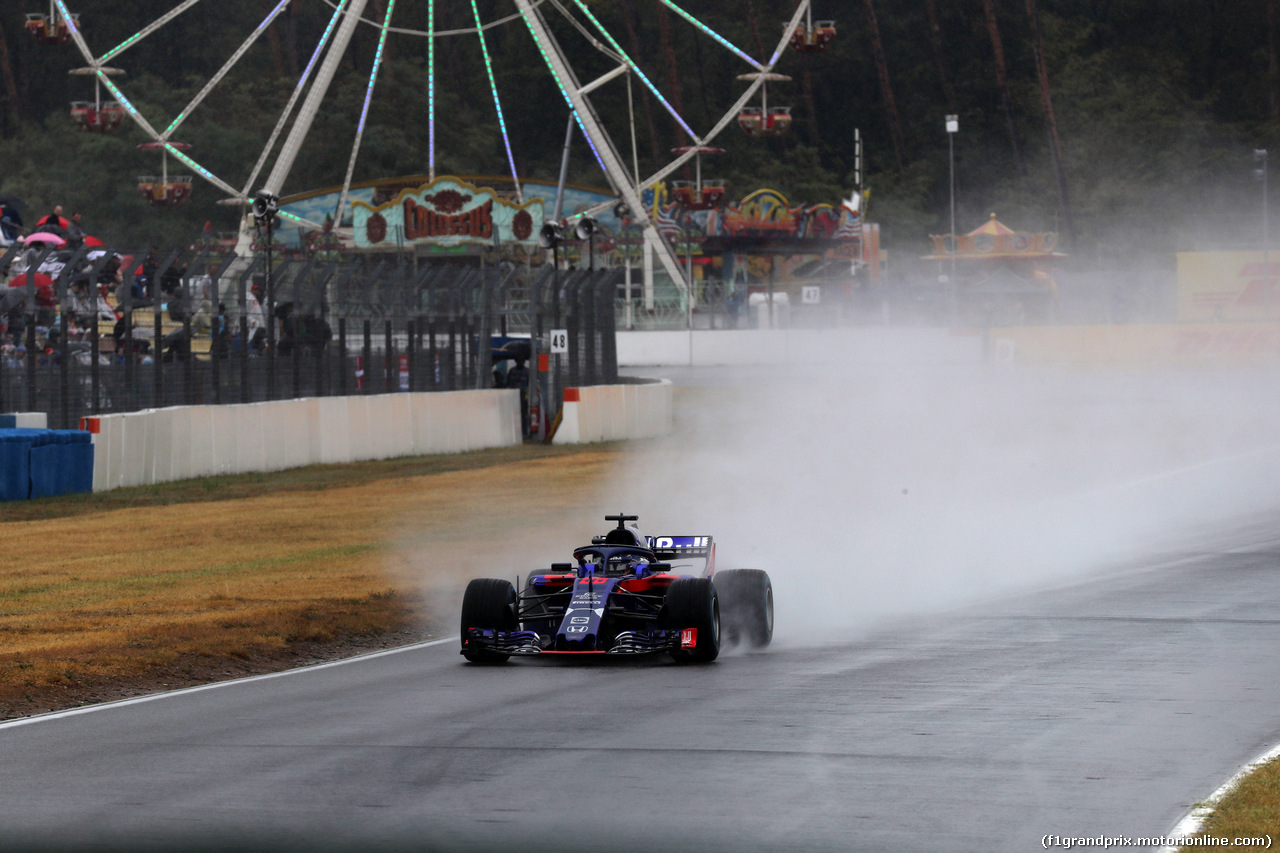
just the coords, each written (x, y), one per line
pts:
(46, 301)
(54, 220)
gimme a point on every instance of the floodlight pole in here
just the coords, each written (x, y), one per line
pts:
(953, 127)
(271, 315)
(1260, 160)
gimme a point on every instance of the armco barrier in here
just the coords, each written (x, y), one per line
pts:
(615, 412)
(158, 445)
(39, 463)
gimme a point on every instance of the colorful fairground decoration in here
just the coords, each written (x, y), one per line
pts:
(448, 212)
(1001, 275)
(993, 239)
(765, 213)
(766, 234)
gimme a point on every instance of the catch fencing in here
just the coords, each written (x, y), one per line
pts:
(205, 326)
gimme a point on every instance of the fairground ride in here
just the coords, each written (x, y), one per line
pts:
(267, 175)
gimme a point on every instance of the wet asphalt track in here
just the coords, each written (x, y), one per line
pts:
(1107, 707)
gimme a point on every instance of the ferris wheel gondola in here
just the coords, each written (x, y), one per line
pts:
(766, 119)
(55, 27)
(166, 190)
(812, 36)
(97, 115)
(700, 193)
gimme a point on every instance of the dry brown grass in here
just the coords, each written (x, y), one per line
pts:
(144, 588)
(1250, 810)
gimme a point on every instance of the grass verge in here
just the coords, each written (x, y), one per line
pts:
(1249, 810)
(129, 591)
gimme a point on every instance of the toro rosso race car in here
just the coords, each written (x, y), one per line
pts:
(626, 594)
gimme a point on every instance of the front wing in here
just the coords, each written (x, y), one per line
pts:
(533, 643)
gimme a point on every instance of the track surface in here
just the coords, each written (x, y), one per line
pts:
(1106, 707)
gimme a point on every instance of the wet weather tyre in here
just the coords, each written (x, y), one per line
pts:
(488, 603)
(746, 605)
(692, 603)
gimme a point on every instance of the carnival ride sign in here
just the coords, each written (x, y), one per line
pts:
(446, 212)
(763, 212)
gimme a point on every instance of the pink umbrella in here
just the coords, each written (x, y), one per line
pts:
(45, 237)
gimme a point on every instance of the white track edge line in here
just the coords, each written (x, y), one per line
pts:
(152, 697)
(1194, 820)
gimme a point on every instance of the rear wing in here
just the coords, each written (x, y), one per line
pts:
(669, 548)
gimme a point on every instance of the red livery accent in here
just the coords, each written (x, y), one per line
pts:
(689, 638)
(646, 584)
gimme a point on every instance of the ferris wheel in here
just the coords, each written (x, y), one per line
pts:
(548, 23)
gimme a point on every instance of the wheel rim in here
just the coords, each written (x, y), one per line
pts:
(768, 612)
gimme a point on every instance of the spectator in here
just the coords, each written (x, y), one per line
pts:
(518, 377)
(10, 222)
(221, 333)
(142, 276)
(54, 223)
(75, 236)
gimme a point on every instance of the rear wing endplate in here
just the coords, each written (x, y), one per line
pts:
(667, 548)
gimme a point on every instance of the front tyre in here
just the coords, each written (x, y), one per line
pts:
(746, 605)
(692, 605)
(488, 603)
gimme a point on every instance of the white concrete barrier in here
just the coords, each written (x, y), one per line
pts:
(133, 455)
(25, 420)
(159, 445)
(615, 412)
(224, 440)
(200, 441)
(728, 347)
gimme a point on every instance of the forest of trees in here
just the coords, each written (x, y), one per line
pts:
(1129, 126)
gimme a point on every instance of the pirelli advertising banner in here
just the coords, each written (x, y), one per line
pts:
(446, 212)
(1230, 286)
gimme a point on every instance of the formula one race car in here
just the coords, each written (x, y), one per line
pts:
(627, 594)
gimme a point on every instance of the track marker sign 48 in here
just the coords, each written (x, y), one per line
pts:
(559, 341)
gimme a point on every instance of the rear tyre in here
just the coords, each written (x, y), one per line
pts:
(746, 605)
(488, 603)
(692, 604)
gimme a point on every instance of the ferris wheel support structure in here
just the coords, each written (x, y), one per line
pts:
(600, 143)
(311, 106)
(730, 116)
